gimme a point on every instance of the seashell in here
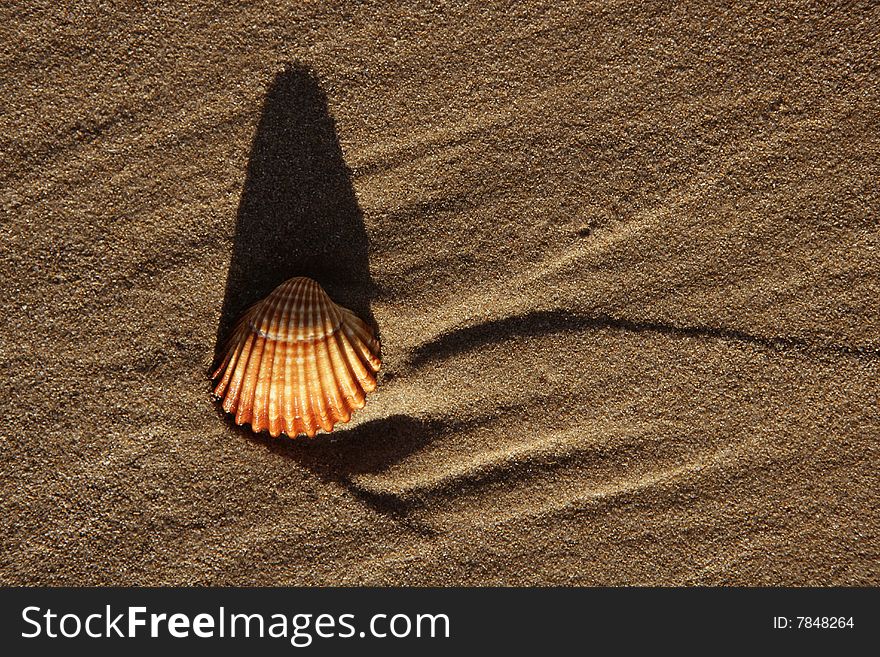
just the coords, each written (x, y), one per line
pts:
(297, 362)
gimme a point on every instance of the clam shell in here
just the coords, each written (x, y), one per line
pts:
(297, 362)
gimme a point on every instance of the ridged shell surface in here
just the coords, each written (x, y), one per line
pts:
(297, 362)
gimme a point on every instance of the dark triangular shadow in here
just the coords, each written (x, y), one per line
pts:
(298, 214)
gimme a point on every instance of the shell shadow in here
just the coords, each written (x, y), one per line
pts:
(298, 214)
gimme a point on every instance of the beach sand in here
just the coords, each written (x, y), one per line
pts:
(624, 259)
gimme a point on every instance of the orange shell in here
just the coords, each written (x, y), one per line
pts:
(297, 362)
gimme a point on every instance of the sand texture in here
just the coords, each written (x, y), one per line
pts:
(624, 259)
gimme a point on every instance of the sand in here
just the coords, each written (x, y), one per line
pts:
(623, 257)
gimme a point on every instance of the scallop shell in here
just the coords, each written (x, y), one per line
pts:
(297, 362)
